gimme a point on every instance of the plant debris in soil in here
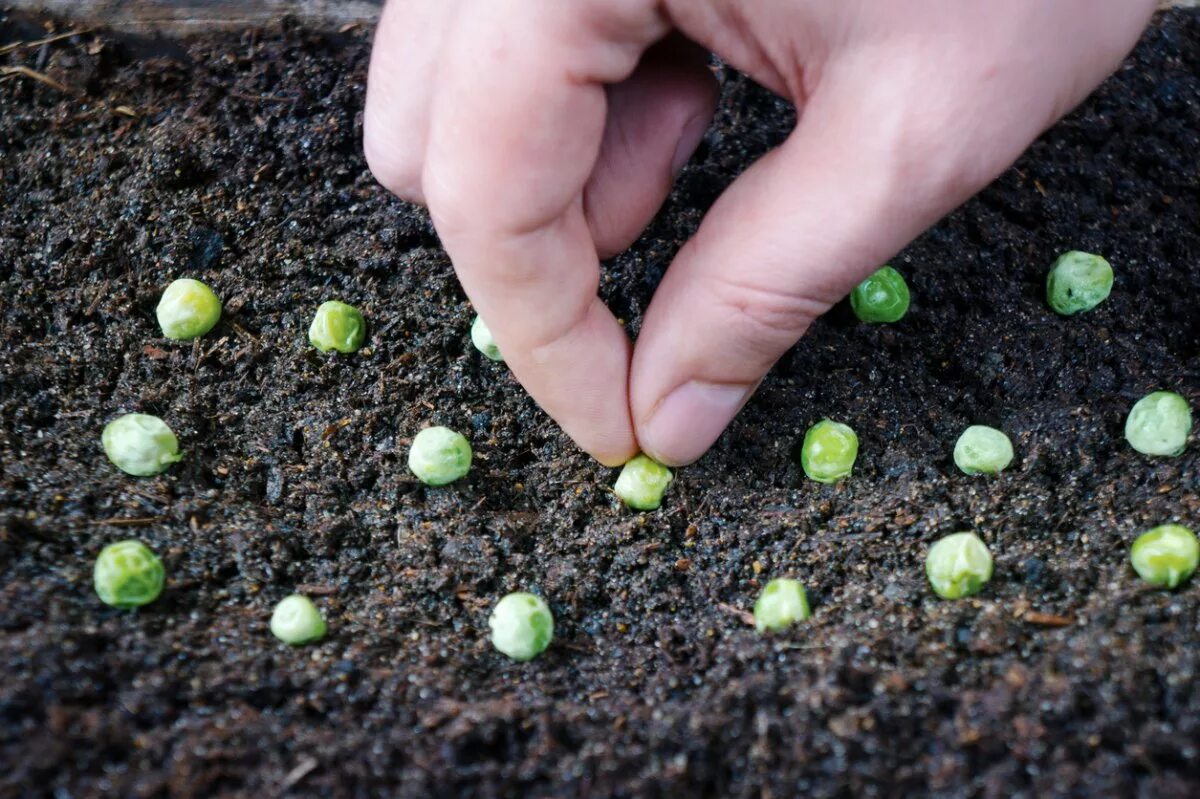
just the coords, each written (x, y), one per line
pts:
(235, 159)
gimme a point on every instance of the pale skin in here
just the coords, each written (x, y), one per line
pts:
(543, 135)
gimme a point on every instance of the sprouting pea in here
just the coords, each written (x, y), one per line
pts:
(1166, 555)
(439, 456)
(297, 620)
(481, 337)
(188, 309)
(1159, 424)
(1078, 281)
(128, 574)
(522, 626)
(983, 450)
(140, 444)
(642, 483)
(958, 565)
(783, 602)
(337, 326)
(829, 451)
(882, 297)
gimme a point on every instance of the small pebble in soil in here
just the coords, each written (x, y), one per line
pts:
(1159, 424)
(128, 574)
(297, 620)
(188, 309)
(958, 565)
(882, 297)
(481, 337)
(983, 450)
(337, 326)
(642, 483)
(829, 451)
(1078, 281)
(1165, 556)
(782, 603)
(439, 456)
(140, 444)
(522, 626)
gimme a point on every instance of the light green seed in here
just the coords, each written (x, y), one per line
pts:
(522, 626)
(439, 456)
(337, 326)
(140, 444)
(1078, 281)
(829, 451)
(1166, 555)
(782, 603)
(481, 337)
(1159, 424)
(983, 450)
(297, 620)
(188, 309)
(642, 483)
(128, 574)
(882, 297)
(958, 565)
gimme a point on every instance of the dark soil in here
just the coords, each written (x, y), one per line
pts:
(236, 159)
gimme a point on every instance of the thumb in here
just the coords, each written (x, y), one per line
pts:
(792, 236)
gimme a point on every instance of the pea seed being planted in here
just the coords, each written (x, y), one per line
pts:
(958, 565)
(439, 456)
(296, 621)
(337, 326)
(481, 337)
(140, 444)
(829, 451)
(882, 297)
(188, 309)
(1166, 555)
(1159, 424)
(983, 450)
(782, 603)
(522, 626)
(1078, 281)
(127, 575)
(642, 483)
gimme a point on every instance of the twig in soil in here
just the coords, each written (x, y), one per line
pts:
(316, 590)
(8, 48)
(746, 616)
(1048, 619)
(302, 770)
(41, 77)
(95, 303)
(117, 522)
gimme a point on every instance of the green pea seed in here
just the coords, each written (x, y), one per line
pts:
(1166, 555)
(140, 444)
(782, 603)
(829, 451)
(1159, 424)
(439, 456)
(297, 620)
(188, 309)
(337, 326)
(128, 574)
(481, 337)
(1078, 281)
(882, 297)
(642, 483)
(522, 626)
(958, 565)
(983, 450)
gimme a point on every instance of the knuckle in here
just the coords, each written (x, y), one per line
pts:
(766, 317)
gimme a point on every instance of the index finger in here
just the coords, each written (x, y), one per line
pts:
(516, 127)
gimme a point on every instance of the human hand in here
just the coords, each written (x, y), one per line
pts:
(544, 135)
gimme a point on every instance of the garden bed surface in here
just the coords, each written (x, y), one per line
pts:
(236, 159)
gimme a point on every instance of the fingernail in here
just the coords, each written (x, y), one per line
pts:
(689, 139)
(690, 419)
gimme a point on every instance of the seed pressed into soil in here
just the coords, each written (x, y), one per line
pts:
(242, 167)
